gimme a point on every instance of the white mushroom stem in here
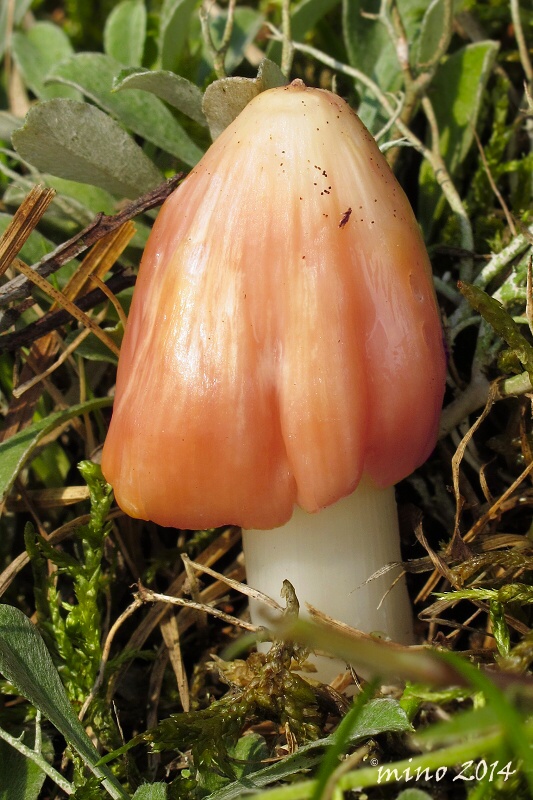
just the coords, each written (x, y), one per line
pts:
(329, 557)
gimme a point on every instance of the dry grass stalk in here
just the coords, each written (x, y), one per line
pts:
(25, 219)
(49, 498)
(19, 287)
(171, 636)
(239, 587)
(67, 304)
(102, 256)
(148, 596)
(216, 550)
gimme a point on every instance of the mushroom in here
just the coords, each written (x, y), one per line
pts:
(282, 366)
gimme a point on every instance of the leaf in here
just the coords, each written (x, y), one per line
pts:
(459, 84)
(270, 76)
(225, 99)
(20, 778)
(142, 113)
(494, 313)
(26, 663)
(82, 201)
(377, 716)
(173, 89)
(125, 32)
(93, 349)
(35, 53)
(371, 50)
(8, 124)
(16, 451)
(307, 13)
(94, 199)
(51, 466)
(10, 14)
(151, 791)
(175, 18)
(341, 739)
(413, 794)
(435, 33)
(249, 751)
(79, 142)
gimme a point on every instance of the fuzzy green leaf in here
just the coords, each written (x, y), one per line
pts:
(435, 33)
(174, 29)
(225, 99)
(173, 89)
(93, 349)
(459, 84)
(494, 313)
(8, 124)
(92, 198)
(79, 142)
(249, 751)
(35, 53)
(10, 14)
(26, 663)
(269, 75)
(125, 32)
(16, 451)
(307, 13)
(142, 113)
(151, 791)
(82, 201)
(20, 778)
(371, 50)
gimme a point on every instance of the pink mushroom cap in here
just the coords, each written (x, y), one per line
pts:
(284, 336)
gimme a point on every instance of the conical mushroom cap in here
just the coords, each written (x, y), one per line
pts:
(284, 335)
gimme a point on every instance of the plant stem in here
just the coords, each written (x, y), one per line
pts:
(287, 51)
(218, 54)
(521, 40)
(38, 759)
